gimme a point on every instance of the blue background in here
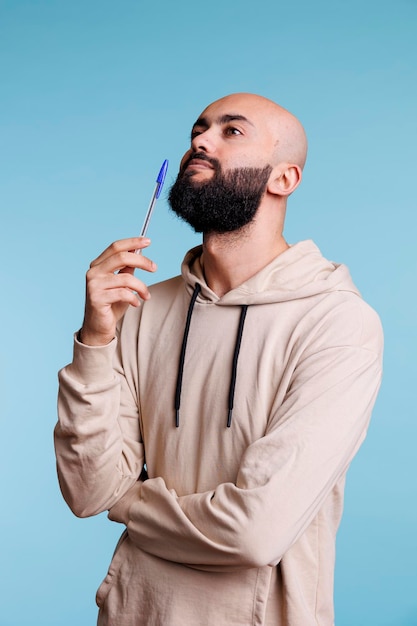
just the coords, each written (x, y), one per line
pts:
(94, 95)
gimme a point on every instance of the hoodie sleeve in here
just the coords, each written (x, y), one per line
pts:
(284, 477)
(97, 439)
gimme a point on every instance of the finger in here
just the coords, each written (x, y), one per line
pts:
(98, 288)
(121, 260)
(133, 243)
(133, 263)
(117, 296)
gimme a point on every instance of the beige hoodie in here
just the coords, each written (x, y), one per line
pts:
(236, 523)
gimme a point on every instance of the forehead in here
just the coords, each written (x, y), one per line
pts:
(222, 118)
(231, 109)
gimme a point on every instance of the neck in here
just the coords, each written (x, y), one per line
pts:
(232, 258)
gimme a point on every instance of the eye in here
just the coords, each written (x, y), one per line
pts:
(195, 132)
(232, 130)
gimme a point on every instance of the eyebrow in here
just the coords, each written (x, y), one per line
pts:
(223, 119)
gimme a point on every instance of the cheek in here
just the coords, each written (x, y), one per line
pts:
(184, 158)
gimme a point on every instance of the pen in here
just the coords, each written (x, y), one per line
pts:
(156, 193)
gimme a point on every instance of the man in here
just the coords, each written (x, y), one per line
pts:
(245, 385)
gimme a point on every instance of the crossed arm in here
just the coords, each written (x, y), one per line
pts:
(283, 479)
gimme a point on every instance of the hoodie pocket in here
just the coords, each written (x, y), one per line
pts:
(116, 562)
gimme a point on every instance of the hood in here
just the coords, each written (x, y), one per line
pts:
(299, 272)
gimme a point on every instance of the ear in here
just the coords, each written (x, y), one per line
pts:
(284, 179)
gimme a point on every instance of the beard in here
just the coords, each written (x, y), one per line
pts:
(225, 203)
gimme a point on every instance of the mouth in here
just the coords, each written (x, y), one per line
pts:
(198, 162)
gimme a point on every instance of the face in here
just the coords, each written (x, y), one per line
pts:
(236, 131)
(224, 174)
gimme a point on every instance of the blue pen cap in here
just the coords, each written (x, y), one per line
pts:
(161, 177)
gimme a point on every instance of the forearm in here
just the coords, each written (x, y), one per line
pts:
(99, 455)
(283, 481)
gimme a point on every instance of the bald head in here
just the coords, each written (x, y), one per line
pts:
(246, 157)
(284, 129)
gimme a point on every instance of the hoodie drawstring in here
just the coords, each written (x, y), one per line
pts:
(197, 290)
(234, 365)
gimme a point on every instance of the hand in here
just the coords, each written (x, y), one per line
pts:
(111, 287)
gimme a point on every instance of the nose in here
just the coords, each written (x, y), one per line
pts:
(204, 142)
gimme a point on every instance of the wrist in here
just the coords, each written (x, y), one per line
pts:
(93, 339)
(120, 511)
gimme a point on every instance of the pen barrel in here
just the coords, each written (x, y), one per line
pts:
(149, 212)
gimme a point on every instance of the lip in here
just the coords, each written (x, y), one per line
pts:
(198, 164)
